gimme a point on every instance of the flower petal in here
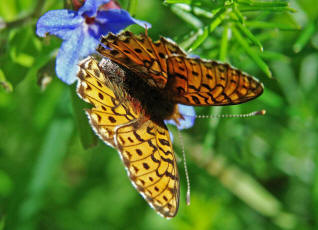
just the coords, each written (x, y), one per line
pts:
(114, 20)
(59, 23)
(72, 50)
(188, 113)
(90, 7)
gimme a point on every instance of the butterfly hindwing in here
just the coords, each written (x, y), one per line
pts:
(144, 146)
(148, 155)
(194, 81)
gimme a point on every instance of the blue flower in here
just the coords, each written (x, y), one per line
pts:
(184, 118)
(80, 31)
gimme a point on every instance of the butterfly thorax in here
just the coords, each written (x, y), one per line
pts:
(154, 102)
(151, 101)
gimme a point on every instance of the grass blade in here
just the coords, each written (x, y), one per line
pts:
(87, 136)
(270, 25)
(255, 57)
(224, 43)
(50, 157)
(187, 17)
(263, 3)
(6, 85)
(270, 8)
(250, 35)
(200, 39)
(238, 14)
(209, 139)
(177, 1)
(132, 6)
(304, 37)
(217, 19)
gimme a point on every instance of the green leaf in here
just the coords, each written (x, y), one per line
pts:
(250, 191)
(250, 5)
(56, 143)
(187, 17)
(263, 3)
(200, 39)
(270, 98)
(202, 12)
(250, 35)
(4, 83)
(308, 72)
(2, 223)
(178, 1)
(271, 55)
(20, 57)
(310, 8)
(209, 139)
(315, 188)
(304, 37)
(87, 136)
(255, 57)
(186, 43)
(217, 19)
(21, 45)
(6, 184)
(243, 8)
(270, 25)
(8, 10)
(132, 6)
(284, 74)
(224, 43)
(238, 14)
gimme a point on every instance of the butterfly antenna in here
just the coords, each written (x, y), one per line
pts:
(244, 115)
(252, 114)
(185, 167)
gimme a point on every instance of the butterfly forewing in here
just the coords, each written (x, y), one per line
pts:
(197, 82)
(144, 146)
(140, 55)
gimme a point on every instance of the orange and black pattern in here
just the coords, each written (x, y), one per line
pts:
(190, 81)
(144, 146)
(139, 54)
(197, 82)
(139, 87)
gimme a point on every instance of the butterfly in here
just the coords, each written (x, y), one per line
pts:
(136, 88)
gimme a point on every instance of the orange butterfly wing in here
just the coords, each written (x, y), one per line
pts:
(140, 55)
(144, 146)
(194, 81)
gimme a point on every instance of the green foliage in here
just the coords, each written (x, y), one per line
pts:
(256, 173)
(233, 15)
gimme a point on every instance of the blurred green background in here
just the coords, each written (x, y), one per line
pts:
(246, 173)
